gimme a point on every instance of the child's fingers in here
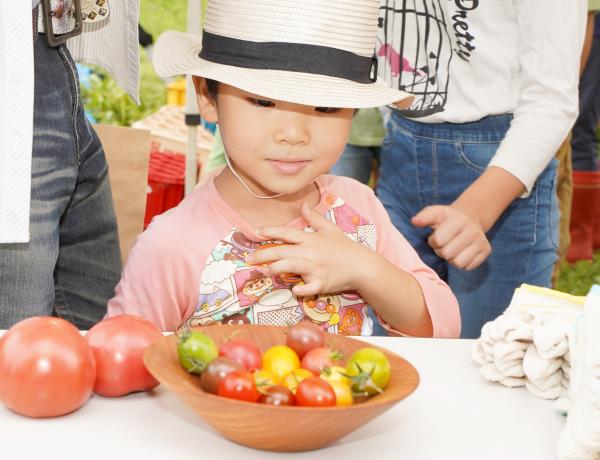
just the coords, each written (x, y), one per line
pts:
(315, 220)
(431, 216)
(465, 256)
(281, 233)
(446, 233)
(290, 265)
(478, 260)
(281, 251)
(451, 244)
(314, 287)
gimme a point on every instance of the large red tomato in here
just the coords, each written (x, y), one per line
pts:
(118, 344)
(46, 368)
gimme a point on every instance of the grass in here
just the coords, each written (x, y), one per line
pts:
(109, 104)
(577, 278)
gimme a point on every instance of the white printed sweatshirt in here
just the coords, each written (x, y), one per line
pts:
(468, 59)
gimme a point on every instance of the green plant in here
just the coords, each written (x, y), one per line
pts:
(109, 104)
(106, 101)
(577, 278)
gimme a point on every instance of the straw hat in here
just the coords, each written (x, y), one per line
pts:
(312, 52)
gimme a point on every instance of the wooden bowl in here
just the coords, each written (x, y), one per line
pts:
(276, 428)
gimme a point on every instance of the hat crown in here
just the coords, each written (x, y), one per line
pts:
(349, 25)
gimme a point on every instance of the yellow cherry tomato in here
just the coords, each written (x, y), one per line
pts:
(343, 393)
(264, 378)
(280, 360)
(335, 374)
(292, 380)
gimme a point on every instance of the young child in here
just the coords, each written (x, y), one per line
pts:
(270, 239)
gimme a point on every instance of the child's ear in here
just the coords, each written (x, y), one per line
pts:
(206, 104)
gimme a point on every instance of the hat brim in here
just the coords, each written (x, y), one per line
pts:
(177, 53)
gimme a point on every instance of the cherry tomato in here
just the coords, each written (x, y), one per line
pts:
(243, 351)
(292, 380)
(343, 393)
(316, 392)
(370, 370)
(318, 359)
(196, 350)
(335, 374)
(118, 344)
(239, 385)
(216, 370)
(280, 360)
(46, 368)
(264, 378)
(277, 395)
(304, 336)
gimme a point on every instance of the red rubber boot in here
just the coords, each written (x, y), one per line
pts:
(586, 202)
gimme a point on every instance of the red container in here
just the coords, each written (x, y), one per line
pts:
(166, 179)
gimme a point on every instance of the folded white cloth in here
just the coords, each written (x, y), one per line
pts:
(539, 369)
(507, 351)
(551, 340)
(550, 389)
(518, 349)
(580, 439)
(528, 344)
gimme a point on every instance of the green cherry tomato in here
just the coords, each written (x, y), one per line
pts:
(369, 369)
(196, 350)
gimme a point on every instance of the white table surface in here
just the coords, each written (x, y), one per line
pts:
(453, 414)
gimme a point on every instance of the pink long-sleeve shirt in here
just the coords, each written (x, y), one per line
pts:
(188, 268)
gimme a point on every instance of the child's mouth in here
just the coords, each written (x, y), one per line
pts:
(288, 167)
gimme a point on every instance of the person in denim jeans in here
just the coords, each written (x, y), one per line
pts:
(467, 172)
(361, 153)
(72, 262)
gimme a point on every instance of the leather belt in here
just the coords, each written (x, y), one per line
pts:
(60, 20)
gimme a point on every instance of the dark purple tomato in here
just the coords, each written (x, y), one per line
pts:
(216, 371)
(277, 395)
(304, 336)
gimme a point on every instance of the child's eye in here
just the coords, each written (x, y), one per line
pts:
(327, 109)
(262, 103)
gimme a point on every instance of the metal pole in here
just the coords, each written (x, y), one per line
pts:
(192, 116)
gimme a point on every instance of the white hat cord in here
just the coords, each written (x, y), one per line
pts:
(241, 181)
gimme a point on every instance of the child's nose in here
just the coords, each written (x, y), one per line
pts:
(293, 130)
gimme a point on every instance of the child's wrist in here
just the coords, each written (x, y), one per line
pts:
(366, 273)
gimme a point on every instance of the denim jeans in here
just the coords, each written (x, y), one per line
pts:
(356, 162)
(584, 141)
(427, 164)
(72, 262)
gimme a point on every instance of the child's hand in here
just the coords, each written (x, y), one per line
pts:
(457, 235)
(327, 259)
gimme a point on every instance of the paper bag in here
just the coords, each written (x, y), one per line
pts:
(127, 152)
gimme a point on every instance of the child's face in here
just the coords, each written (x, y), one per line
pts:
(277, 147)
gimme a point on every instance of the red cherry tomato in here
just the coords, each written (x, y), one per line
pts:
(304, 336)
(118, 344)
(244, 352)
(46, 368)
(316, 392)
(239, 385)
(321, 358)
